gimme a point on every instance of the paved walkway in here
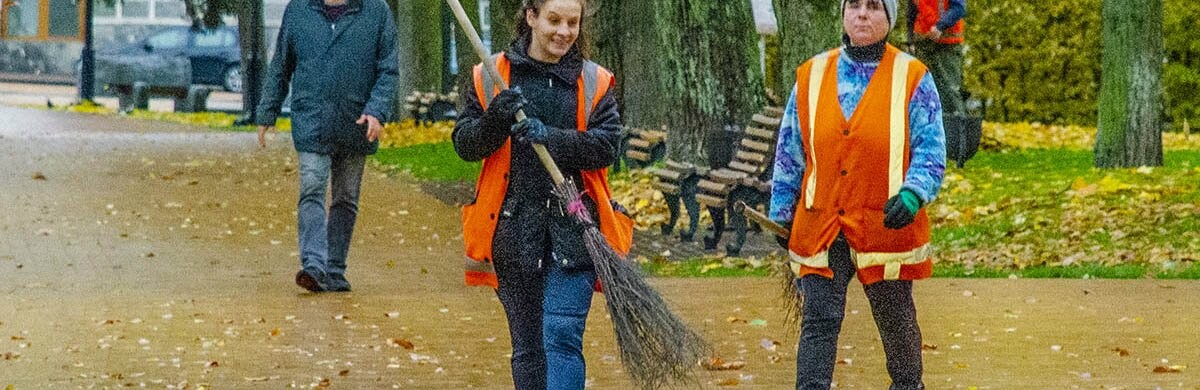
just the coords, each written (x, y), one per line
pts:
(27, 94)
(136, 253)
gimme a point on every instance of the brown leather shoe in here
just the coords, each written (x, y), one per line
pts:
(308, 282)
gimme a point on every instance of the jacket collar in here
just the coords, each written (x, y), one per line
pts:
(352, 6)
(566, 70)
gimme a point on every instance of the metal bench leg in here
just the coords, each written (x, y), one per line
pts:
(673, 208)
(718, 228)
(688, 194)
(738, 221)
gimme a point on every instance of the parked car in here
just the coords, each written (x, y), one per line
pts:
(214, 53)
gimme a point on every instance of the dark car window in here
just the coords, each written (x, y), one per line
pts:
(213, 39)
(170, 39)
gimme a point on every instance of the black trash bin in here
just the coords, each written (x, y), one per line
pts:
(962, 137)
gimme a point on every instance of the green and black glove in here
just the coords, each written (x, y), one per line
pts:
(901, 209)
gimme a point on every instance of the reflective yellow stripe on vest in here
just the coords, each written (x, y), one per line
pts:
(891, 262)
(815, 76)
(898, 123)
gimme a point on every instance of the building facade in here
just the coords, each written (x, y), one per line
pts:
(41, 40)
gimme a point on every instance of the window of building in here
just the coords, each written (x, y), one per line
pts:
(21, 19)
(41, 19)
(170, 9)
(64, 18)
(135, 8)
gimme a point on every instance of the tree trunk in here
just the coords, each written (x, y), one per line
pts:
(1131, 108)
(254, 54)
(424, 44)
(466, 57)
(806, 28)
(696, 69)
(405, 53)
(604, 35)
(503, 17)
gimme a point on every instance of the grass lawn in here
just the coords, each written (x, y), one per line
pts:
(436, 162)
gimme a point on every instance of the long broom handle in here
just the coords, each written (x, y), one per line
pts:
(488, 66)
(761, 219)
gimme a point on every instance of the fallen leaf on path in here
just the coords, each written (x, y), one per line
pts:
(928, 347)
(1121, 351)
(39, 176)
(343, 372)
(729, 382)
(1169, 369)
(400, 343)
(718, 364)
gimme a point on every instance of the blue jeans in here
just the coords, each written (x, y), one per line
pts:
(547, 311)
(325, 241)
(825, 307)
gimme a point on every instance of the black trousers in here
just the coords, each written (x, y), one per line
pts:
(825, 308)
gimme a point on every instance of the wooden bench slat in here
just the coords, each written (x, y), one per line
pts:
(649, 135)
(761, 147)
(637, 155)
(726, 176)
(774, 112)
(684, 168)
(639, 143)
(666, 188)
(759, 185)
(766, 121)
(751, 157)
(762, 134)
(743, 167)
(667, 174)
(713, 187)
(711, 201)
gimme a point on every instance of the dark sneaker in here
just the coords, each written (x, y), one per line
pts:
(338, 282)
(308, 280)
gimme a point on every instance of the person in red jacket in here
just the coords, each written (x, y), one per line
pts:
(516, 235)
(935, 28)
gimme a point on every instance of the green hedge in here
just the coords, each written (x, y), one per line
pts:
(1040, 61)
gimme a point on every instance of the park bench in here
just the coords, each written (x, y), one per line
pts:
(745, 177)
(135, 79)
(432, 106)
(641, 148)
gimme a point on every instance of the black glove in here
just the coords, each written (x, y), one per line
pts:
(900, 210)
(532, 130)
(782, 240)
(502, 111)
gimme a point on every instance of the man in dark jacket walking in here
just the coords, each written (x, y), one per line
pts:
(338, 57)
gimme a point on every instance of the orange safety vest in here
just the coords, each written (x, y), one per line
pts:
(853, 167)
(479, 217)
(928, 13)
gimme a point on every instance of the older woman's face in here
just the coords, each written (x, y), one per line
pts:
(865, 21)
(555, 27)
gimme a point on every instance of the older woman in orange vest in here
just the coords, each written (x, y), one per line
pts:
(861, 150)
(517, 238)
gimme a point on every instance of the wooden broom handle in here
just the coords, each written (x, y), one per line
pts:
(488, 66)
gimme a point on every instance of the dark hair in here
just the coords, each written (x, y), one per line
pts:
(524, 32)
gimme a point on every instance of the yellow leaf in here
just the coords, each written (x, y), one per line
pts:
(709, 267)
(1109, 185)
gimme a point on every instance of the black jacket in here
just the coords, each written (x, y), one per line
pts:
(551, 90)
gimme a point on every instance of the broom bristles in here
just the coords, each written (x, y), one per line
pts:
(657, 348)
